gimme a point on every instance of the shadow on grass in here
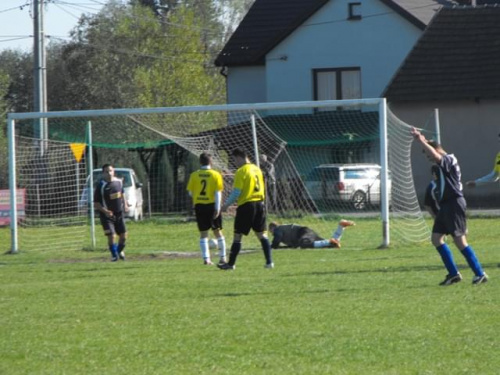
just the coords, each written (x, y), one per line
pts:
(437, 267)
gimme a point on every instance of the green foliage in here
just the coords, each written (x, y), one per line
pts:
(356, 310)
(18, 66)
(177, 76)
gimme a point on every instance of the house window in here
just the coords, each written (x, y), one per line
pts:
(354, 11)
(337, 84)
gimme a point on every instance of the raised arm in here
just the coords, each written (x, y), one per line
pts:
(430, 151)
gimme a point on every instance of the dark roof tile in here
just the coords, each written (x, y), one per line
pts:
(268, 22)
(457, 57)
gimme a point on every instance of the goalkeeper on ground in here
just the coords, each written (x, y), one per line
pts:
(493, 176)
(292, 235)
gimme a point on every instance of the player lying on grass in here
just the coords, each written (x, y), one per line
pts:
(292, 235)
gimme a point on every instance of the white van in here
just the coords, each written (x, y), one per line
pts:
(131, 186)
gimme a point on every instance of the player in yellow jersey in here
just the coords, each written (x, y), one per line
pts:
(249, 192)
(493, 176)
(205, 187)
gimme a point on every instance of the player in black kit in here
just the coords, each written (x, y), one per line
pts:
(109, 200)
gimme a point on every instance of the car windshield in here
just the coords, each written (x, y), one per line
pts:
(362, 173)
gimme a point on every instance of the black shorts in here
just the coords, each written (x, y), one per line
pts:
(451, 218)
(114, 224)
(205, 217)
(307, 237)
(250, 215)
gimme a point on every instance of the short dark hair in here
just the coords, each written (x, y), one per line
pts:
(105, 166)
(435, 145)
(240, 153)
(205, 158)
(272, 226)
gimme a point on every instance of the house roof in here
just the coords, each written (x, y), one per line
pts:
(268, 22)
(264, 26)
(457, 57)
(418, 12)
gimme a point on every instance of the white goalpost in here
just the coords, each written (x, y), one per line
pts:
(331, 159)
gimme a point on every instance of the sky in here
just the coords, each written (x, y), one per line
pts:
(60, 16)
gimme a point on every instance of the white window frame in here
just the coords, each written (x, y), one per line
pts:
(332, 83)
(354, 11)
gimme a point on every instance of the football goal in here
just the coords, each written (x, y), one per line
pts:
(322, 160)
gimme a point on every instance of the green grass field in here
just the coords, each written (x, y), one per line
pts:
(354, 310)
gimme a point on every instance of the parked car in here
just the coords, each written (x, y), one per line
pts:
(356, 184)
(131, 186)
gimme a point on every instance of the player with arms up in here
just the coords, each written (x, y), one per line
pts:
(493, 176)
(450, 218)
(110, 202)
(248, 191)
(205, 187)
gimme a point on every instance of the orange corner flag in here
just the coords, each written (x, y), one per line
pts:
(78, 150)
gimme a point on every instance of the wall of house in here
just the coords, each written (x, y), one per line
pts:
(377, 44)
(246, 85)
(469, 129)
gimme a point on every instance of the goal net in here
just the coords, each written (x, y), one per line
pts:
(322, 161)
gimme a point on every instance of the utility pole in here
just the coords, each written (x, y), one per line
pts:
(40, 76)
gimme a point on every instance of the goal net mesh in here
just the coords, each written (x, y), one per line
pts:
(320, 164)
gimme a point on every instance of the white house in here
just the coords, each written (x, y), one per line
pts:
(290, 50)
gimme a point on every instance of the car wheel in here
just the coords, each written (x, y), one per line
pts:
(359, 200)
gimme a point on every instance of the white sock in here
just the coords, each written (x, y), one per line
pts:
(221, 244)
(338, 233)
(205, 251)
(322, 243)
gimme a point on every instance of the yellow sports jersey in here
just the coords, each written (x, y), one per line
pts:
(496, 168)
(203, 184)
(249, 180)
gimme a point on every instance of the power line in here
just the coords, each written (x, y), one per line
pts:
(14, 38)
(135, 17)
(16, 8)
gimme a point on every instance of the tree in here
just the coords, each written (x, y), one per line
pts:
(97, 65)
(231, 12)
(178, 75)
(18, 66)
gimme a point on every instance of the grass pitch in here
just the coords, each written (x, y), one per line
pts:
(354, 310)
